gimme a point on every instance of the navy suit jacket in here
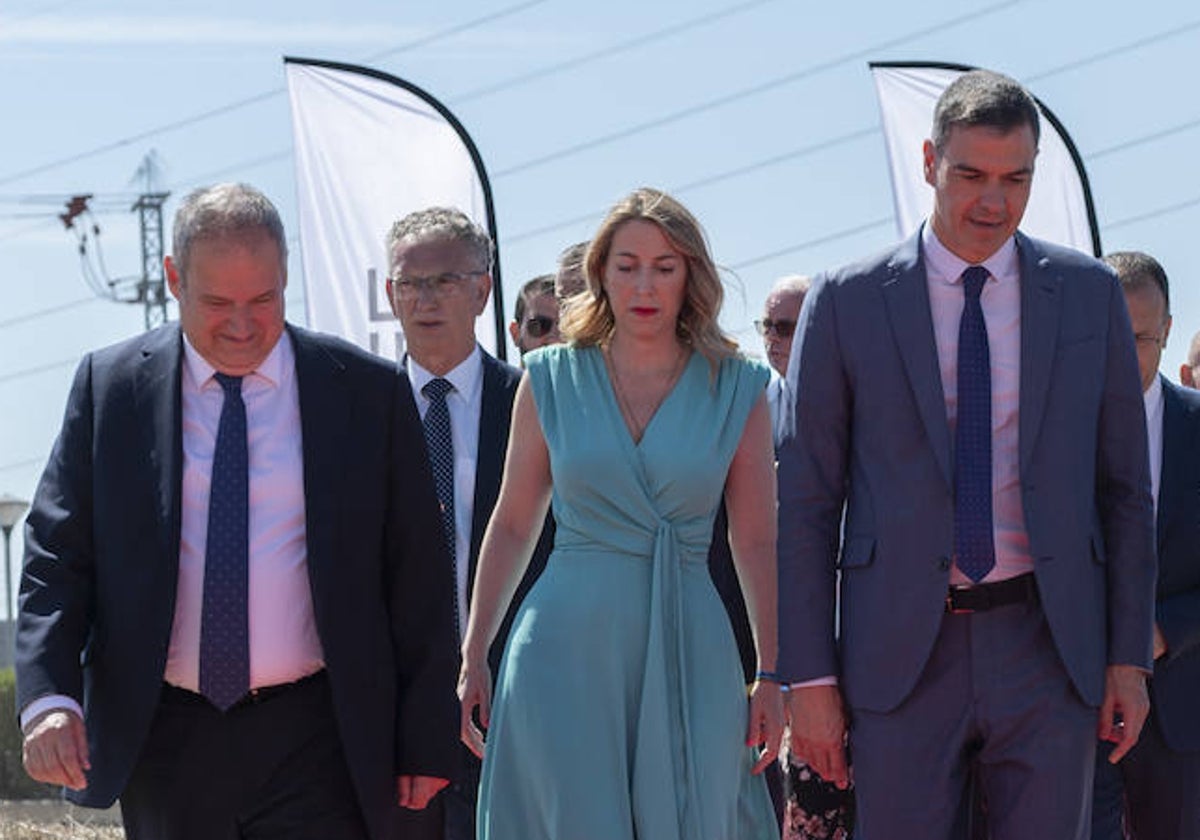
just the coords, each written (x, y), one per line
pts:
(873, 443)
(1175, 688)
(102, 554)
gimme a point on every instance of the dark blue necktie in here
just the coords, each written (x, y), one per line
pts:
(975, 553)
(441, 457)
(225, 623)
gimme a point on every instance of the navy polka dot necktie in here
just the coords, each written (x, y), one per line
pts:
(224, 622)
(974, 550)
(441, 457)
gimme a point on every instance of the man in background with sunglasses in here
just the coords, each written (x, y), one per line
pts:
(535, 316)
(777, 327)
(439, 279)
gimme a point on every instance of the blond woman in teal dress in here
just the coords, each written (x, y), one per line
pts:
(620, 710)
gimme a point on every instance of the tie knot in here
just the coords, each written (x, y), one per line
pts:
(973, 279)
(437, 389)
(231, 384)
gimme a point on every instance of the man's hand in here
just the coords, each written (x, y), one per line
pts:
(56, 750)
(1124, 696)
(415, 792)
(1160, 642)
(818, 731)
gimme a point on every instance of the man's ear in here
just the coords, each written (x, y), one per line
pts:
(174, 279)
(930, 155)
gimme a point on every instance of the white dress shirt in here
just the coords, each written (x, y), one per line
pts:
(465, 404)
(284, 645)
(1001, 303)
(1153, 398)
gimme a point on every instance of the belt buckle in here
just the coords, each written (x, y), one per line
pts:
(950, 608)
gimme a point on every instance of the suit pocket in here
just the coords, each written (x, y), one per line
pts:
(857, 552)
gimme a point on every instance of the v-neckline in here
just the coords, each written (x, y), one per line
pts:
(615, 405)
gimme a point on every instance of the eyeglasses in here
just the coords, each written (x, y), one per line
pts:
(783, 329)
(446, 284)
(539, 326)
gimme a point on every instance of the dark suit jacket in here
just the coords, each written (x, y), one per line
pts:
(500, 383)
(102, 550)
(872, 437)
(1175, 688)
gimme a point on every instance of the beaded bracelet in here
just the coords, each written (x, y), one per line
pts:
(768, 676)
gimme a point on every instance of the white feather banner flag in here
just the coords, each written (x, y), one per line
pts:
(1060, 204)
(371, 148)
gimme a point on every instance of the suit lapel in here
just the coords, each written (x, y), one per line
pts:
(1041, 300)
(321, 384)
(158, 400)
(1177, 440)
(907, 298)
(489, 466)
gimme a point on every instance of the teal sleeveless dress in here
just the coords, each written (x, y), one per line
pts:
(619, 710)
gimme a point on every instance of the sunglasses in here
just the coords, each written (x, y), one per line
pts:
(539, 326)
(783, 329)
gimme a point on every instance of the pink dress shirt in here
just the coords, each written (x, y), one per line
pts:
(1001, 302)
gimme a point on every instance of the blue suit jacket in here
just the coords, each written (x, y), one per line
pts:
(1175, 688)
(872, 440)
(102, 556)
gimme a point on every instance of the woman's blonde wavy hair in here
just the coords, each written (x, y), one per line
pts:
(587, 317)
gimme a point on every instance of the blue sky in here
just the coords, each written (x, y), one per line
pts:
(759, 114)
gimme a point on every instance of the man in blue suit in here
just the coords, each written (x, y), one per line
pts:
(1154, 793)
(230, 616)
(965, 484)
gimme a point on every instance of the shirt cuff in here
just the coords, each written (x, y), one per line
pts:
(50, 702)
(831, 680)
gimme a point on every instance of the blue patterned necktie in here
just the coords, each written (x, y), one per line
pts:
(974, 550)
(441, 457)
(225, 623)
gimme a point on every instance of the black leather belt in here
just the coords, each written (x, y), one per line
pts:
(1021, 589)
(173, 693)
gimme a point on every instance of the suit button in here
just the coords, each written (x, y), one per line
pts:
(943, 563)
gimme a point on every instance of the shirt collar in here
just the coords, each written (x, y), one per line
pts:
(1153, 396)
(270, 371)
(466, 376)
(943, 264)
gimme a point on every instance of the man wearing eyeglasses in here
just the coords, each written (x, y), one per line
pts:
(438, 283)
(535, 316)
(777, 327)
(1155, 791)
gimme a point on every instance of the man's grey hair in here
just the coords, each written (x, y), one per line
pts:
(442, 223)
(791, 284)
(984, 98)
(224, 211)
(1193, 357)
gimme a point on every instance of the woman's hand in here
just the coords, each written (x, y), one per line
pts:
(474, 690)
(766, 722)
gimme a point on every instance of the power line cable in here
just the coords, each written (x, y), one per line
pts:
(752, 90)
(715, 178)
(251, 100)
(810, 243)
(1153, 214)
(18, 374)
(52, 310)
(607, 51)
(522, 78)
